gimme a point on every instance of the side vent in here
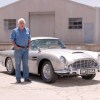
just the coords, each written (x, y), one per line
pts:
(77, 52)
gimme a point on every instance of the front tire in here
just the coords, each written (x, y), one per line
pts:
(47, 73)
(88, 77)
(9, 66)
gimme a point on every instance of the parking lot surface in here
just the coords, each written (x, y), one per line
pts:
(67, 88)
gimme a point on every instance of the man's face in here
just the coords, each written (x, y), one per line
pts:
(21, 25)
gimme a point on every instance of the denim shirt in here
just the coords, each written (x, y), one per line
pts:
(20, 38)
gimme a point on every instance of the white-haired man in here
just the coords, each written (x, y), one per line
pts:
(20, 39)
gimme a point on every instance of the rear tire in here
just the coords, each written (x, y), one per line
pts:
(9, 66)
(88, 77)
(47, 73)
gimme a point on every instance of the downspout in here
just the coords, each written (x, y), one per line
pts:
(97, 26)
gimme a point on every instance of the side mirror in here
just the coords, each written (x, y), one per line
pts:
(64, 47)
(39, 49)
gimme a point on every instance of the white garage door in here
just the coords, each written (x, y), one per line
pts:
(42, 25)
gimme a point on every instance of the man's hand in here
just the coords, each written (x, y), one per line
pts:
(16, 47)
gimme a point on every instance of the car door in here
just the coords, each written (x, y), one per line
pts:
(33, 55)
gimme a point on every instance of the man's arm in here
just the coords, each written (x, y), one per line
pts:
(29, 42)
(29, 39)
(12, 37)
(15, 46)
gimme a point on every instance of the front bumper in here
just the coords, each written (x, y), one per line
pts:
(77, 71)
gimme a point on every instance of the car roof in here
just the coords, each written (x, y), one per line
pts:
(34, 38)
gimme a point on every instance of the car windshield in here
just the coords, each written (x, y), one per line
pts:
(46, 44)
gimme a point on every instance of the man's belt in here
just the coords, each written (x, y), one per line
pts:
(22, 46)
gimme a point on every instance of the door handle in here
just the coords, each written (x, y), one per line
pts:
(34, 58)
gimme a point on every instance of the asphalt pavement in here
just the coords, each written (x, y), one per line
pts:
(67, 88)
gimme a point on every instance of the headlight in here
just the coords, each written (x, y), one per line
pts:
(63, 60)
(99, 57)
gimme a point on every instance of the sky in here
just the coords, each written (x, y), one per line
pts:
(87, 2)
(6, 2)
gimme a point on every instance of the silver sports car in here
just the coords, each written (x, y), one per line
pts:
(50, 58)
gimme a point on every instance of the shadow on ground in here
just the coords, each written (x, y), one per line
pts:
(62, 81)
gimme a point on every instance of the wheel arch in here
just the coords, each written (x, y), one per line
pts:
(41, 63)
(6, 60)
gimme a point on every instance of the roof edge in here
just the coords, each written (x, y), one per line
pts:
(83, 4)
(18, 1)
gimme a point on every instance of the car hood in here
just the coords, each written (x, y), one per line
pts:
(72, 55)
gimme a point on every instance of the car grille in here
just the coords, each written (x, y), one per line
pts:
(84, 64)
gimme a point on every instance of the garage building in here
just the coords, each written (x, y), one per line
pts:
(70, 21)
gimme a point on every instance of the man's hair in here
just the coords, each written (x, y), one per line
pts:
(21, 19)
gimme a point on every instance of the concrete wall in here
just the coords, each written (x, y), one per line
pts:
(98, 25)
(91, 47)
(73, 10)
(63, 10)
(82, 11)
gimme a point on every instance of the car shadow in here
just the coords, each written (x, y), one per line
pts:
(61, 81)
(66, 81)
(74, 81)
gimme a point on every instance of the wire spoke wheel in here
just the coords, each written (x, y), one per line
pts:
(47, 73)
(9, 66)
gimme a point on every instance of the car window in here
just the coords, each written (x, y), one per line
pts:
(46, 44)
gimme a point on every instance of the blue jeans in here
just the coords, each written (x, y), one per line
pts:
(21, 55)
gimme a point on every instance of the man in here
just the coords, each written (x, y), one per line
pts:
(20, 39)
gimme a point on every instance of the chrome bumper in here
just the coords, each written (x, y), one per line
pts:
(73, 71)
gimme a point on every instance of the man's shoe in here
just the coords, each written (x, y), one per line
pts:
(27, 80)
(18, 81)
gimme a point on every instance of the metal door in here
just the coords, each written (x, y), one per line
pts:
(89, 32)
(42, 25)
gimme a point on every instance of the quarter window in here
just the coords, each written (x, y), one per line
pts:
(9, 24)
(75, 23)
